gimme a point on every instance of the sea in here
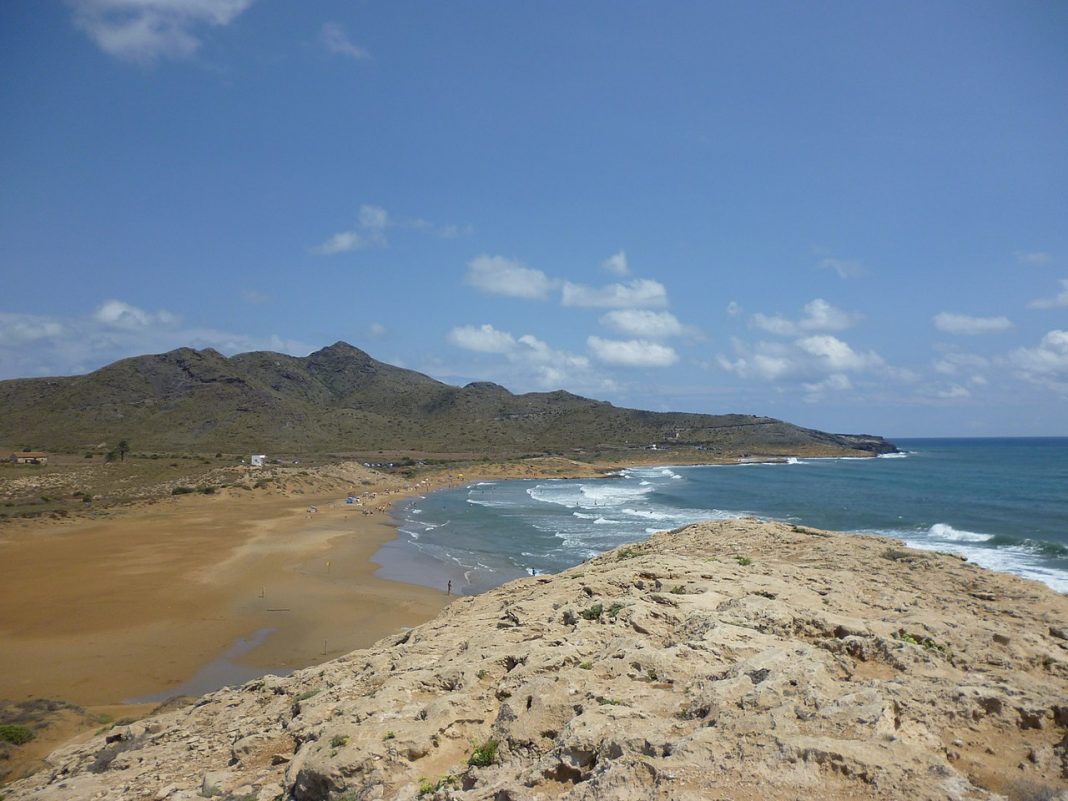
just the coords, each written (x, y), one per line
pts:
(1002, 503)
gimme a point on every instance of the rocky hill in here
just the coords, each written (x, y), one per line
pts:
(732, 660)
(339, 399)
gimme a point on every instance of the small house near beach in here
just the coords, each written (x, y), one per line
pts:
(29, 457)
(257, 459)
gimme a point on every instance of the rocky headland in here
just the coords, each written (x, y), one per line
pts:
(731, 660)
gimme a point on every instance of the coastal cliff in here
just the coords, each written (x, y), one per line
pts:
(728, 660)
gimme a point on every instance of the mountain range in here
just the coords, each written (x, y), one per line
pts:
(340, 400)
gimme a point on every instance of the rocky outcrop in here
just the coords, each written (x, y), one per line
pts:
(735, 660)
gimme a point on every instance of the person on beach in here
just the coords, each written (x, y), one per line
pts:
(450, 587)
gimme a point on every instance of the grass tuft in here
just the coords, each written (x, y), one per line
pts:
(483, 755)
(592, 612)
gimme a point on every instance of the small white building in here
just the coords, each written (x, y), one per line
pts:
(257, 459)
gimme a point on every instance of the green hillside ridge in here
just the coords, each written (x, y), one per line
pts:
(339, 399)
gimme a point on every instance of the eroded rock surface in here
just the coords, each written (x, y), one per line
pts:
(734, 660)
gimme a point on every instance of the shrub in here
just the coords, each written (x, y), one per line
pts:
(182, 491)
(15, 734)
(592, 612)
(339, 741)
(678, 589)
(743, 560)
(426, 787)
(615, 609)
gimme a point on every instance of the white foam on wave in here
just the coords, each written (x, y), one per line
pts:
(893, 456)
(586, 496)
(417, 511)
(492, 504)
(1012, 559)
(793, 460)
(1017, 559)
(944, 531)
(584, 516)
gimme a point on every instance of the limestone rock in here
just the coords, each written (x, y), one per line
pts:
(813, 668)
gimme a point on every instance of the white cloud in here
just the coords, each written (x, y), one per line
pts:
(836, 354)
(733, 309)
(376, 330)
(370, 231)
(118, 314)
(373, 218)
(35, 345)
(641, 293)
(617, 264)
(643, 323)
(767, 361)
(335, 40)
(1047, 363)
(967, 325)
(819, 316)
(500, 276)
(845, 268)
(341, 242)
(535, 359)
(146, 30)
(953, 363)
(811, 360)
(953, 392)
(20, 329)
(1037, 257)
(482, 339)
(632, 352)
(1058, 301)
(835, 382)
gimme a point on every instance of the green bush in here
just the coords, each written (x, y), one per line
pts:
(592, 612)
(182, 491)
(15, 734)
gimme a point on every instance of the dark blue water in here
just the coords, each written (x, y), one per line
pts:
(1003, 503)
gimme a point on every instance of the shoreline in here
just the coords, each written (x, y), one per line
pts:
(141, 604)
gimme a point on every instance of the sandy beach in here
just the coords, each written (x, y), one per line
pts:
(101, 612)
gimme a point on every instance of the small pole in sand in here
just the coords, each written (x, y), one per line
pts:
(327, 565)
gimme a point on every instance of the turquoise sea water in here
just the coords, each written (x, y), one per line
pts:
(1003, 503)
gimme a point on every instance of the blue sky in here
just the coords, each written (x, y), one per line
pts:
(850, 215)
